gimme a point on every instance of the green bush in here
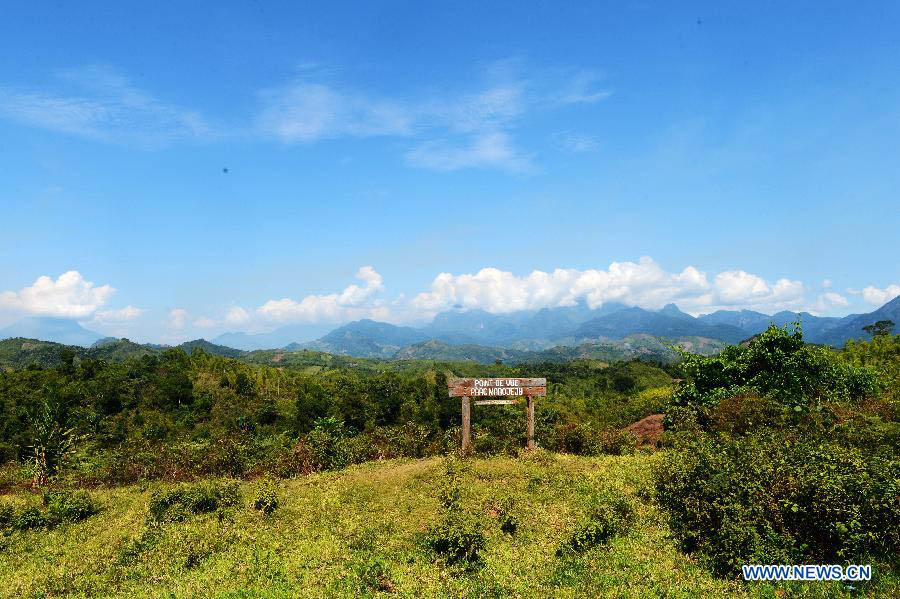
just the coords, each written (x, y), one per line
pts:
(69, 506)
(266, 499)
(30, 518)
(506, 515)
(777, 364)
(7, 515)
(458, 537)
(374, 575)
(777, 499)
(607, 512)
(178, 504)
(327, 444)
(59, 507)
(613, 442)
(582, 439)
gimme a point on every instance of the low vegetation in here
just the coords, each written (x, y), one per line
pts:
(196, 474)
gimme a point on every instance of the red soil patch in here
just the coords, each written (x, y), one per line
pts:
(647, 431)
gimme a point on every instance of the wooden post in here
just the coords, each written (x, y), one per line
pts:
(466, 426)
(530, 422)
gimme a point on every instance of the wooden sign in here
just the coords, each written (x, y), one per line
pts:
(496, 387)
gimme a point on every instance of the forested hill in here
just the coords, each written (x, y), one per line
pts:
(20, 353)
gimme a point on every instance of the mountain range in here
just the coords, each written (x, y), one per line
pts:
(578, 325)
(613, 330)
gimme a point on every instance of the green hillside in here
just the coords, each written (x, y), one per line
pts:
(361, 532)
(284, 474)
(20, 353)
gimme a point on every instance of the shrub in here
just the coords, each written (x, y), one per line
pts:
(374, 575)
(266, 499)
(327, 444)
(582, 439)
(59, 507)
(744, 413)
(613, 442)
(506, 515)
(29, 518)
(607, 512)
(776, 364)
(775, 499)
(69, 506)
(179, 503)
(870, 433)
(295, 461)
(7, 515)
(571, 438)
(457, 537)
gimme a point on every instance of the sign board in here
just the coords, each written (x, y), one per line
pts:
(497, 387)
(507, 388)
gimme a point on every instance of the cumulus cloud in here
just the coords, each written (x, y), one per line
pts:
(237, 315)
(177, 318)
(879, 297)
(69, 296)
(643, 283)
(121, 315)
(829, 301)
(204, 322)
(99, 103)
(354, 301)
(826, 283)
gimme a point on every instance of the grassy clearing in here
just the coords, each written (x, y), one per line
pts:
(358, 532)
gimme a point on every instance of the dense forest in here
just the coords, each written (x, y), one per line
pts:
(178, 415)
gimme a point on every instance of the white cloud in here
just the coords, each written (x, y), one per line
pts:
(237, 315)
(98, 103)
(121, 315)
(490, 150)
(643, 283)
(177, 318)
(353, 302)
(69, 296)
(826, 283)
(467, 130)
(490, 110)
(829, 301)
(879, 297)
(204, 322)
(306, 112)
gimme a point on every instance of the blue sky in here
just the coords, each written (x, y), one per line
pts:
(391, 160)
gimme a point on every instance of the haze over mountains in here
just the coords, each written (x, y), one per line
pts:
(59, 330)
(611, 330)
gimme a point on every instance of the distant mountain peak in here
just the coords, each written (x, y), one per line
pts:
(58, 330)
(673, 311)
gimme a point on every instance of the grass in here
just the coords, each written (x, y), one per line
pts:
(358, 532)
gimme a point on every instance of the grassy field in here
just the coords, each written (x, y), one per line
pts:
(358, 532)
